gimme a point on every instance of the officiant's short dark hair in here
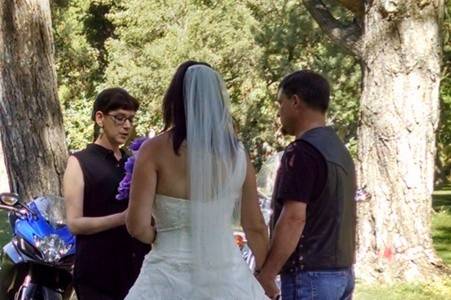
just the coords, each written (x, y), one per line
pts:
(112, 99)
(174, 105)
(311, 87)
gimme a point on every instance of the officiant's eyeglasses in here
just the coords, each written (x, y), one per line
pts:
(120, 119)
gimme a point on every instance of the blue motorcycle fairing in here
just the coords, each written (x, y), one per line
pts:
(37, 225)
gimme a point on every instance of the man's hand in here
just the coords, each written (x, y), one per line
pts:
(269, 285)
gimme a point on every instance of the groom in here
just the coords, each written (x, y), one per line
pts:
(313, 227)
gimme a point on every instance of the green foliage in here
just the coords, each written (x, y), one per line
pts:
(153, 38)
(291, 40)
(253, 45)
(443, 161)
(79, 41)
(76, 63)
(138, 45)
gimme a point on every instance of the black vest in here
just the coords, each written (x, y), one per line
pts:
(328, 239)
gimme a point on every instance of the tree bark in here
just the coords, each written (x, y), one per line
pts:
(356, 6)
(399, 111)
(31, 121)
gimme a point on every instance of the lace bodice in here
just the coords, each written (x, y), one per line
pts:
(171, 213)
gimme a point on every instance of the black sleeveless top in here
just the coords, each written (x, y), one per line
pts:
(107, 261)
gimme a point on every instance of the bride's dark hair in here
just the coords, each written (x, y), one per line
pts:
(174, 105)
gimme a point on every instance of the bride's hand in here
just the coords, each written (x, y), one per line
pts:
(276, 297)
(269, 285)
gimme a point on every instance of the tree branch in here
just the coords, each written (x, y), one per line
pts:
(356, 6)
(346, 36)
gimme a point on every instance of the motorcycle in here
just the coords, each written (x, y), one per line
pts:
(37, 263)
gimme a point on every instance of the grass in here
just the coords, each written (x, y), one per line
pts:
(441, 234)
(441, 224)
(437, 290)
(4, 228)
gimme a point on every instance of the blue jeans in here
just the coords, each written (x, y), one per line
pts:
(318, 285)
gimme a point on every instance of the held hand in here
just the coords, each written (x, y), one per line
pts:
(269, 285)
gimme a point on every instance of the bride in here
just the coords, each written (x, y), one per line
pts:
(193, 179)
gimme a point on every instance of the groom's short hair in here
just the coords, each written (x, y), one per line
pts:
(311, 87)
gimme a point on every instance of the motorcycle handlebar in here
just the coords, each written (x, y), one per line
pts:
(14, 209)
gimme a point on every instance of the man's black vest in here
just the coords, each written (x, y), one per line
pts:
(328, 239)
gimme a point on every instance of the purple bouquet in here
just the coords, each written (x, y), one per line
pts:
(124, 186)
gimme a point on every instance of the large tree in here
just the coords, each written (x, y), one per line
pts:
(399, 46)
(31, 122)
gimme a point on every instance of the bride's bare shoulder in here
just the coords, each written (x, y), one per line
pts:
(157, 143)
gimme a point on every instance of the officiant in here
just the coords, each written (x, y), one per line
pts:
(107, 259)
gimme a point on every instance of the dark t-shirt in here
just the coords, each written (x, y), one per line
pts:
(301, 176)
(108, 261)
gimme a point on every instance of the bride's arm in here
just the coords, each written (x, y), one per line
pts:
(252, 219)
(142, 194)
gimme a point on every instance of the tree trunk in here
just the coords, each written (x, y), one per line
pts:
(31, 122)
(399, 46)
(399, 113)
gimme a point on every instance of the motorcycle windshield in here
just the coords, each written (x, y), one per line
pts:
(266, 178)
(52, 209)
(267, 175)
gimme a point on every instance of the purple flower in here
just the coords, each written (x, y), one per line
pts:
(126, 181)
(134, 146)
(124, 186)
(122, 194)
(129, 165)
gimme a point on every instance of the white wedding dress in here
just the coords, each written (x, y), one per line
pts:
(194, 256)
(167, 269)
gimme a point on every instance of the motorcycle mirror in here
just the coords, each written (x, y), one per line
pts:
(9, 199)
